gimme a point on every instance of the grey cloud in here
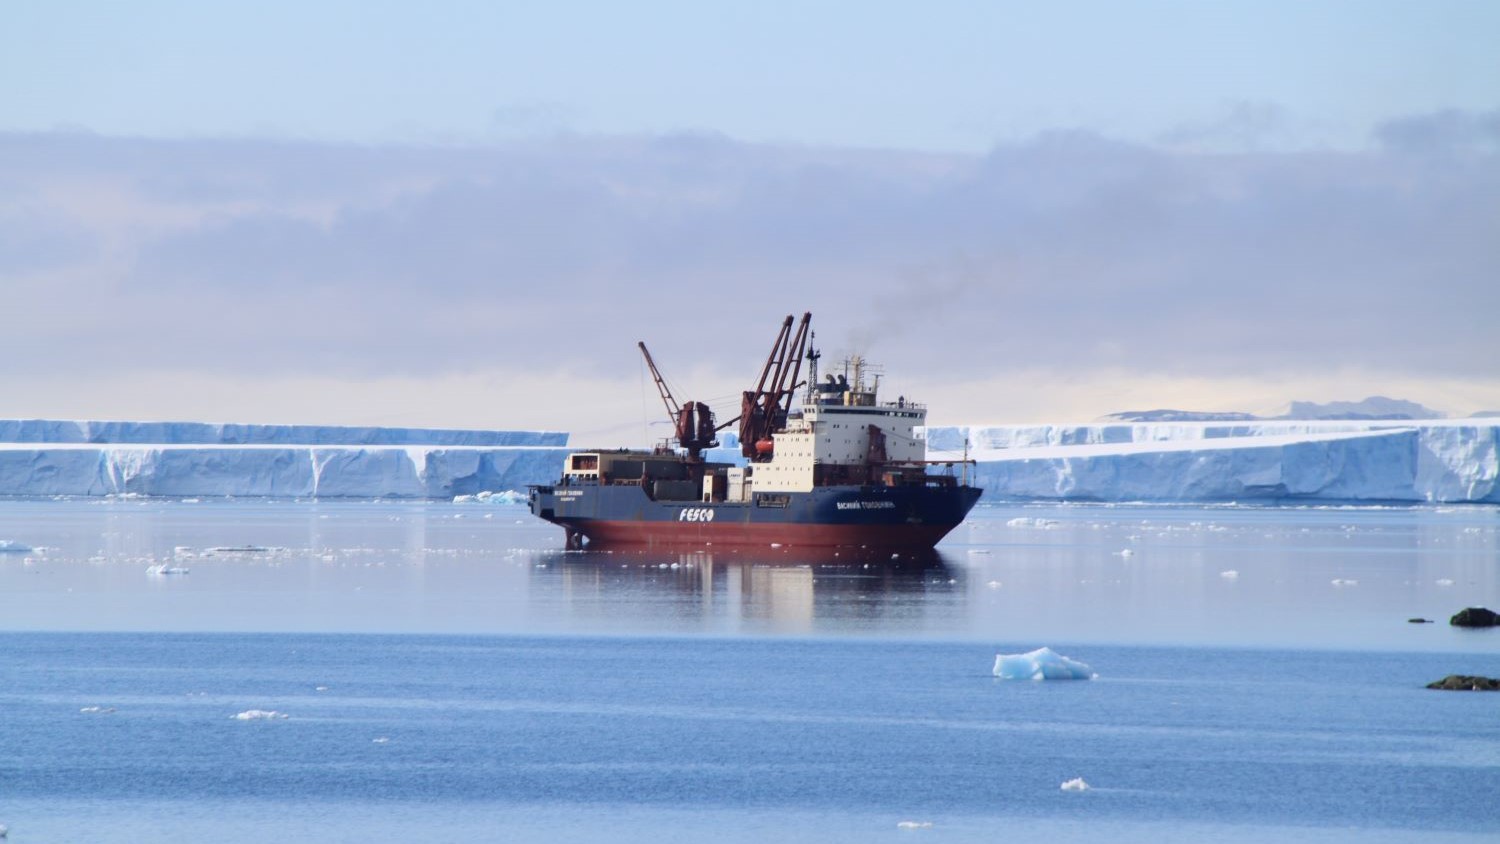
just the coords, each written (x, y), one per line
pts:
(1241, 125)
(1443, 131)
(1070, 250)
(32, 242)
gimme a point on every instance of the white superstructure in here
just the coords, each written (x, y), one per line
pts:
(842, 434)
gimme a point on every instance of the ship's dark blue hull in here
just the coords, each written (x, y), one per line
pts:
(911, 516)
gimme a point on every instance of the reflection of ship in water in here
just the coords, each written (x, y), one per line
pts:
(787, 592)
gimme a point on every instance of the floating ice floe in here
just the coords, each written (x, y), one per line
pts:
(1024, 521)
(164, 569)
(1075, 784)
(508, 496)
(1126, 553)
(97, 710)
(914, 825)
(1230, 575)
(1444, 581)
(260, 715)
(380, 740)
(10, 546)
(1341, 582)
(1041, 664)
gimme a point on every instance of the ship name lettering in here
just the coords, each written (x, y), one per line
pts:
(695, 514)
(867, 505)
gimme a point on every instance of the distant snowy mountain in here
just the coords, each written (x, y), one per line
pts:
(1374, 407)
(1166, 415)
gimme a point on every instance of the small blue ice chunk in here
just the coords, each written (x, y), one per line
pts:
(1041, 664)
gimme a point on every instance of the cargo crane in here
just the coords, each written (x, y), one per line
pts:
(764, 410)
(692, 422)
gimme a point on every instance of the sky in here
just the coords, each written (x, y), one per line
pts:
(466, 214)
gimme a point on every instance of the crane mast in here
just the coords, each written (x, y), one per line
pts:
(692, 422)
(763, 411)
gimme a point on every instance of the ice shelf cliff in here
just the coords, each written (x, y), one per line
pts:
(1374, 461)
(55, 457)
(1447, 460)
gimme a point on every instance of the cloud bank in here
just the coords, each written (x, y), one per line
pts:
(1066, 256)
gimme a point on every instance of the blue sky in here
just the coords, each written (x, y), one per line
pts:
(465, 214)
(941, 76)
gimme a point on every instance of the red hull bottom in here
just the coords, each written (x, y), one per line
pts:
(680, 534)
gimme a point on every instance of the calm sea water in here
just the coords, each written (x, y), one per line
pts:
(448, 675)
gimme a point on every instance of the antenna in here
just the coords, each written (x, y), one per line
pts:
(812, 368)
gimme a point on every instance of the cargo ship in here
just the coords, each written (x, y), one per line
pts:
(827, 464)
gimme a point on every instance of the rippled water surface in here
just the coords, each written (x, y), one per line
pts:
(447, 674)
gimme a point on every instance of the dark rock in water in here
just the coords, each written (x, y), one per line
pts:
(1466, 683)
(1419, 621)
(1475, 617)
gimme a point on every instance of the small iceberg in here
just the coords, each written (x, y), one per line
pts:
(914, 825)
(97, 710)
(1041, 664)
(1023, 521)
(260, 715)
(10, 546)
(161, 570)
(505, 496)
(164, 569)
(1075, 784)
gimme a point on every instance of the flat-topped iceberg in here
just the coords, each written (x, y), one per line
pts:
(1041, 664)
(182, 459)
(274, 471)
(1274, 461)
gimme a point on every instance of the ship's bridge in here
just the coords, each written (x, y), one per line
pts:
(844, 433)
